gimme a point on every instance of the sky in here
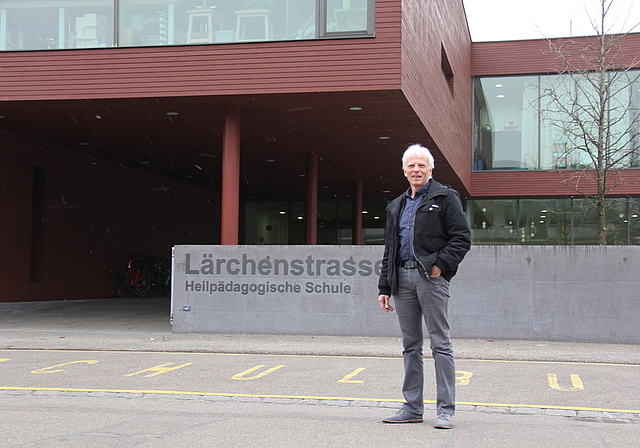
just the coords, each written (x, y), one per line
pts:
(493, 20)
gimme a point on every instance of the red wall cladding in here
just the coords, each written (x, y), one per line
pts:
(91, 211)
(533, 56)
(224, 69)
(429, 30)
(550, 183)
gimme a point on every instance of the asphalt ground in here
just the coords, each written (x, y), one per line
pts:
(111, 373)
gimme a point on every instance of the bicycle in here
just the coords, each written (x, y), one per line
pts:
(136, 277)
(160, 278)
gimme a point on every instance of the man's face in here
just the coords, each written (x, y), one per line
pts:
(417, 172)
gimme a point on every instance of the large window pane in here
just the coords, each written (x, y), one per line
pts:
(506, 123)
(43, 24)
(346, 16)
(585, 222)
(617, 221)
(373, 221)
(545, 221)
(267, 223)
(634, 221)
(179, 22)
(38, 25)
(493, 221)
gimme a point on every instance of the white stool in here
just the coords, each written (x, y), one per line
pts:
(199, 35)
(241, 24)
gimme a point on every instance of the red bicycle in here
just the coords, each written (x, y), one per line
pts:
(136, 276)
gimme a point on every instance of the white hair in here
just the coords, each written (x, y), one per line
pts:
(419, 151)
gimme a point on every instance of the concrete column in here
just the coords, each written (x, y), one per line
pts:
(230, 204)
(311, 205)
(356, 238)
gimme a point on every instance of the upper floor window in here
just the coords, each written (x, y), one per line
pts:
(517, 127)
(38, 25)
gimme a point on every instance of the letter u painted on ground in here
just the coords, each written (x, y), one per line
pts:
(576, 382)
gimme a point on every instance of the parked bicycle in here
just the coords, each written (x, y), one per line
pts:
(143, 275)
(160, 277)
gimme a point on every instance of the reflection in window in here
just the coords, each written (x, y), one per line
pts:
(33, 25)
(346, 15)
(283, 222)
(215, 21)
(545, 221)
(39, 25)
(493, 221)
(516, 127)
(506, 123)
(552, 221)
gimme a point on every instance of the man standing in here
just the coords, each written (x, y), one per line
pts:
(427, 236)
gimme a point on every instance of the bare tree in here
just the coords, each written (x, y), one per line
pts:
(593, 106)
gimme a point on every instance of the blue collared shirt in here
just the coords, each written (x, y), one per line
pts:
(407, 221)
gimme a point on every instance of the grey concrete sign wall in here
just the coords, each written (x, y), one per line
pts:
(563, 293)
(315, 290)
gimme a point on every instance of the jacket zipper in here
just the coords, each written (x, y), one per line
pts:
(413, 249)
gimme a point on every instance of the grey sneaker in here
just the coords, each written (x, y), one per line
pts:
(444, 421)
(403, 416)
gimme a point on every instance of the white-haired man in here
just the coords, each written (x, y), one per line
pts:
(427, 236)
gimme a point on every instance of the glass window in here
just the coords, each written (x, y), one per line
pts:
(552, 221)
(545, 221)
(617, 221)
(38, 25)
(179, 22)
(548, 122)
(267, 223)
(493, 221)
(506, 123)
(634, 221)
(346, 16)
(373, 221)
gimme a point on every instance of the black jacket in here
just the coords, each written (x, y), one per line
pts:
(441, 235)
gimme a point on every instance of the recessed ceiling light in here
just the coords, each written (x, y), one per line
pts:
(386, 191)
(364, 212)
(355, 108)
(384, 138)
(270, 160)
(499, 85)
(173, 113)
(1, 116)
(302, 175)
(283, 213)
(500, 96)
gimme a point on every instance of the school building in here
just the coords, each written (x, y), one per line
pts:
(138, 125)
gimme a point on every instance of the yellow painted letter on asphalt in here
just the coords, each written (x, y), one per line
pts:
(463, 377)
(4, 359)
(48, 369)
(347, 379)
(162, 368)
(575, 381)
(241, 376)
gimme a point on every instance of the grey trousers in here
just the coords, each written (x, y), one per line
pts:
(419, 298)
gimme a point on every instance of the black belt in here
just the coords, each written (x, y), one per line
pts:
(413, 264)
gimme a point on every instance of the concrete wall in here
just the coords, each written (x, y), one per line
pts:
(562, 293)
